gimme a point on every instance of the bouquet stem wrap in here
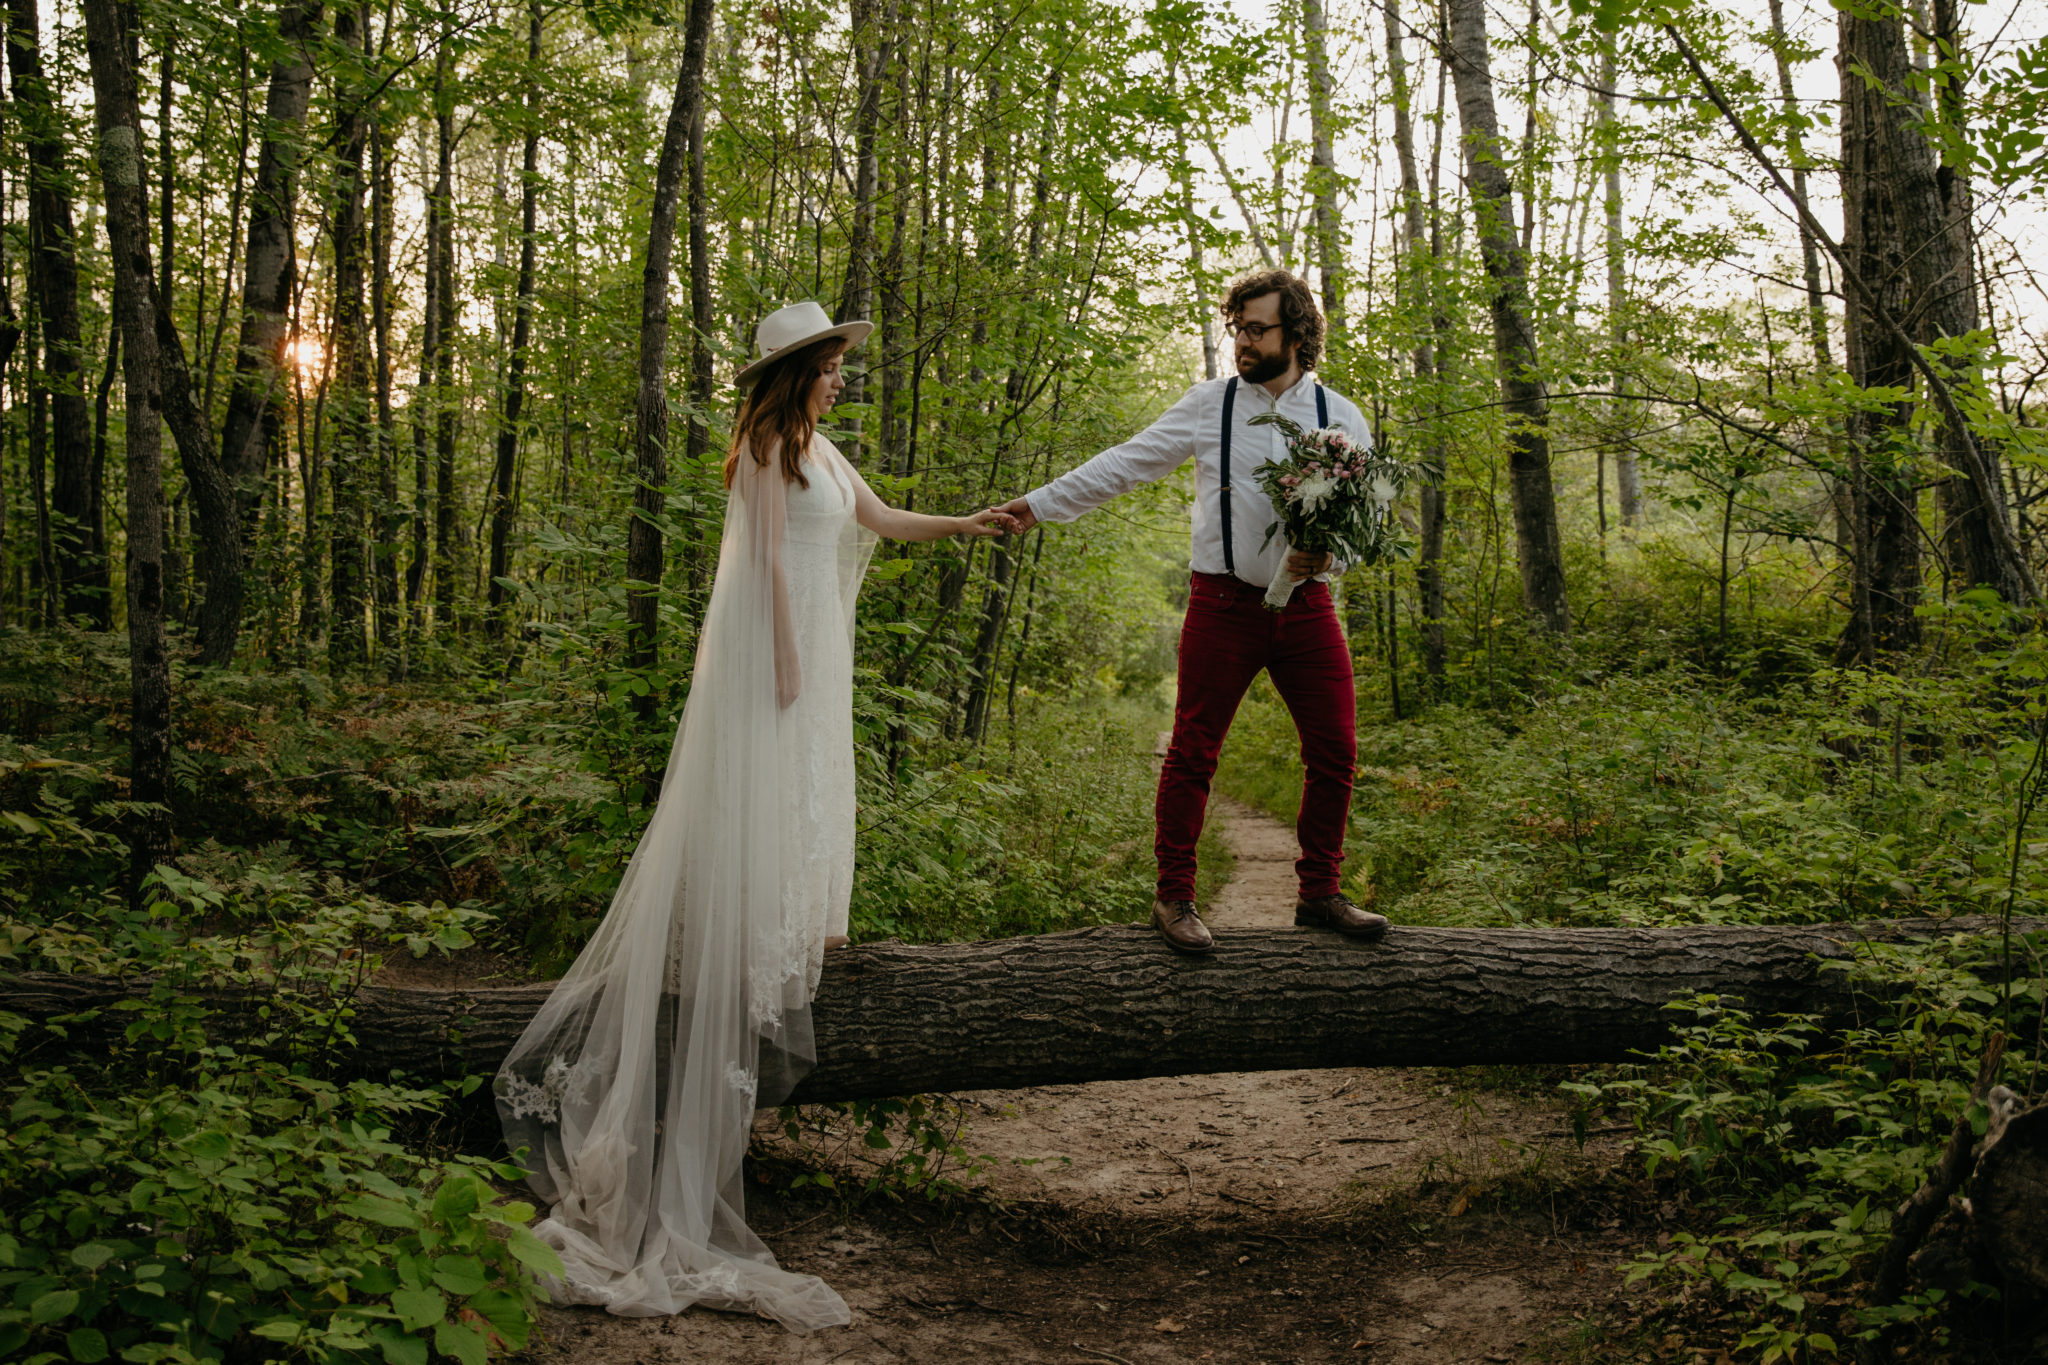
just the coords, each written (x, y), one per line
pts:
(1281, 590)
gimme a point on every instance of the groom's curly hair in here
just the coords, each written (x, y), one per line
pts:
(1299, 315)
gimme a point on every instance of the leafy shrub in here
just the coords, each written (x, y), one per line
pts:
(208, 1193)
(1800, 1142)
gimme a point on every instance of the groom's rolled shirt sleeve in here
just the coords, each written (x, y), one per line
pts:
(1152, 454)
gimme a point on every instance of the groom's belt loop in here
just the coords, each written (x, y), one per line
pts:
(1229, 403)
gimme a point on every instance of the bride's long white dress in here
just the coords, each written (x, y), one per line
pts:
(633, 1090)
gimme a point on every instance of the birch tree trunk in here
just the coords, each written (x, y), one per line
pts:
(1198, 267)
(1525, 400)
(874, 38)
(384, 538)
(1795, 149)
(118, 112)
(1323, 167)
(425, 399)
(443, 249)
(1416, 287)
(502, 510)
(1628, 478)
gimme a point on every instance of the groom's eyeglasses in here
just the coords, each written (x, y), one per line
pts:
(1255, 330)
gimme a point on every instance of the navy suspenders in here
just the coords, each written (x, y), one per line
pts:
(1229, 405)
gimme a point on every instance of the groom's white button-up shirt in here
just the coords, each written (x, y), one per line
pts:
(1193, 428)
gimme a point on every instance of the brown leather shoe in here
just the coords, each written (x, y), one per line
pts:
(1337, 912)
(1181, 927)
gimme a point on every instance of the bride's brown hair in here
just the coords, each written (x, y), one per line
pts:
(777, 412)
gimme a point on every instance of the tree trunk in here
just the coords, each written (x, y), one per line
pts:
(256, 399)
(1323, 169)
(1003, 557)
(1628, 478)
(502, 510)
(426, 397)
(1416, 293)
(80, 582)
(696, 43)
(1526, 403)
(1198, 267)
(877, 29)
(650, 424)
(355, 438)
(1111, 1003)
(117, 110)
(1886, 572)
(384, 579)
(1935, 218)
(1795, 148)
(444, 367)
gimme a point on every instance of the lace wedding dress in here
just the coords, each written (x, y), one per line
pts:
(632, 1092)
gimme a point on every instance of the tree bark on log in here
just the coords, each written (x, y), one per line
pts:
(1111, 1003)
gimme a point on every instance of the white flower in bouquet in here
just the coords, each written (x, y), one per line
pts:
(1334, 496)
(1313, 491)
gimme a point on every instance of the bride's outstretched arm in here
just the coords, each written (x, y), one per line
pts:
(893, 523)
(767, 497)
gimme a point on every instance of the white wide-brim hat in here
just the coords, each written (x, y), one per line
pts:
(793, 328)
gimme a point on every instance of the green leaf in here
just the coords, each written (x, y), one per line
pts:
(458, 1197)
(532, 1252)
(211, 1145)
(384, 1212)
(419, 1308)
(54, 1306)
(398, 1348)
(92, 1255)
(507, 1315)
(460, 1275)
(466, 1344)
(87, 1344)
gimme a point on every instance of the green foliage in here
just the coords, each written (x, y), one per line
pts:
(207, 1192)
(1798, 1142)
(1051, 832)
(896, 1149)
(1670, 796)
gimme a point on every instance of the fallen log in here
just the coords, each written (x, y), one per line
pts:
(1111, 1003)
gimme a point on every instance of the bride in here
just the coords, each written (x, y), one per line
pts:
(632, 1092)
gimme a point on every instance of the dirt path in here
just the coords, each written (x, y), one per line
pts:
(1367, 1215)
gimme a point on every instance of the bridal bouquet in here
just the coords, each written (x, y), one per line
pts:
(1333, 497)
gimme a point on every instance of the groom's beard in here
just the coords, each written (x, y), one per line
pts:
(1261, 367)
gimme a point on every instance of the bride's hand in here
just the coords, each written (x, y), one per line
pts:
(987, 522)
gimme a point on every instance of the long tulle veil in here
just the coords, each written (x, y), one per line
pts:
(633, 1090)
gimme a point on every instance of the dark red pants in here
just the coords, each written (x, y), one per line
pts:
(1227, 638)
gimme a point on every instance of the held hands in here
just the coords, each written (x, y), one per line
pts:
(991, 521)
(1017, 516)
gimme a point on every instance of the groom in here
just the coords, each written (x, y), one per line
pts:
(1229, 635)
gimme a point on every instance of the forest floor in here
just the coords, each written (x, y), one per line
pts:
(1398, 1217)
